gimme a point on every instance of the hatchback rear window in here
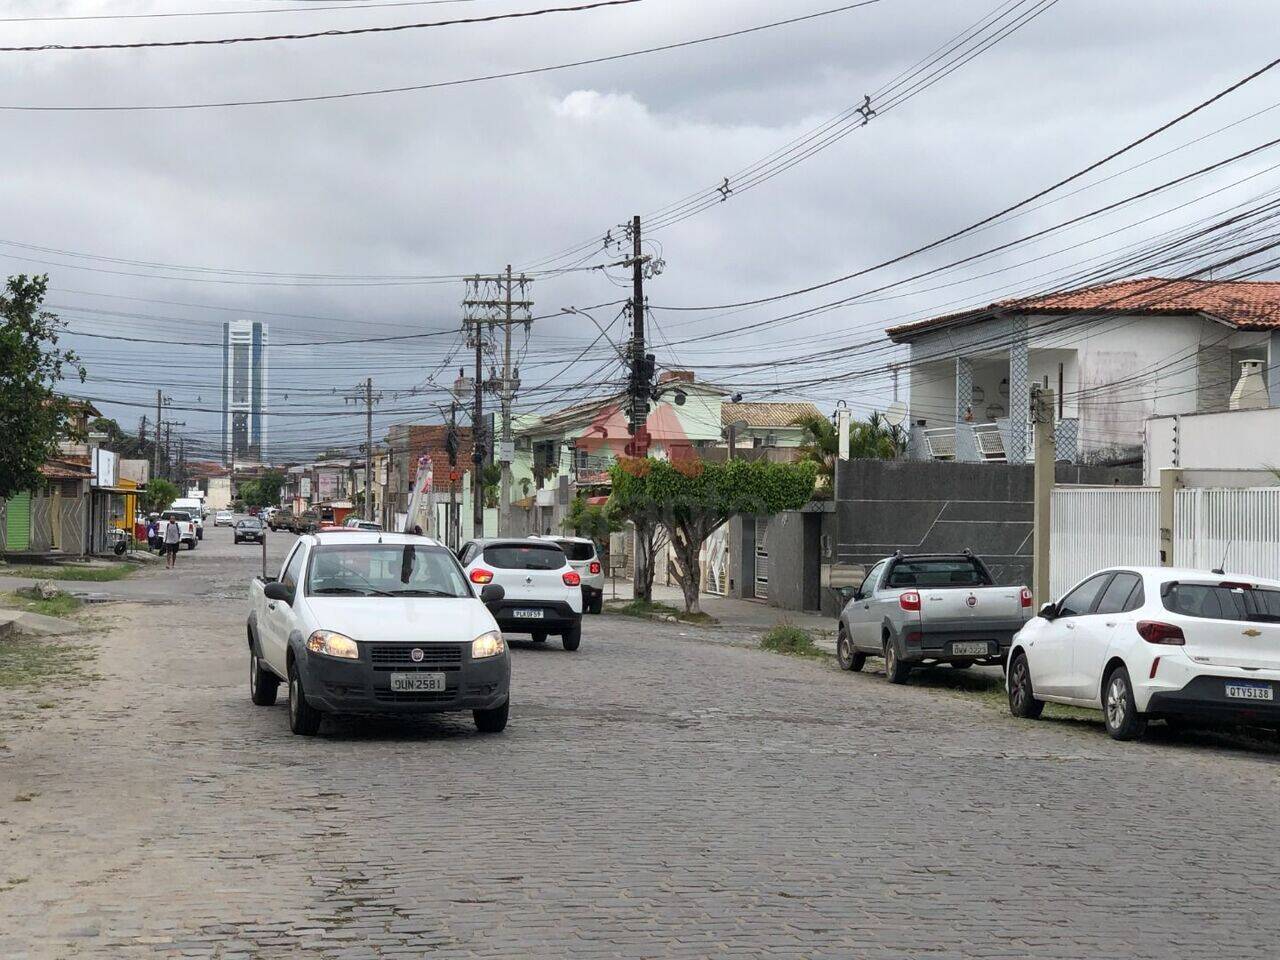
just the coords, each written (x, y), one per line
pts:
(525, 556)
(577, 551)
(1222, 601)
(938, 573)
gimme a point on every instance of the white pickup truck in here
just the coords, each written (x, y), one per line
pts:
(925, 609)
(187, 531)
(376, 623)
(194, 507)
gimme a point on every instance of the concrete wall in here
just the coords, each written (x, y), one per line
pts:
(1236, 440)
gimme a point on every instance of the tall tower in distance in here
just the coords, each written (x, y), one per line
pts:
(244, 391)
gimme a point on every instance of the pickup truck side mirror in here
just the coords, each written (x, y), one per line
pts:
(278, 591)
(492, 593)
(1049, 611)
(846, 594)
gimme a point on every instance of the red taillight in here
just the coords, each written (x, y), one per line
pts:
(571, 579)
(909, 600)
(1153, 631)
(595, 567)
(1026, 597)
(481, 576)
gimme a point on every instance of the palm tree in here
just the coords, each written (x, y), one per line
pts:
(872, 439)
(820, 445)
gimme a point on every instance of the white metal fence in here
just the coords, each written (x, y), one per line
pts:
(1096, 527)
(1232, 529)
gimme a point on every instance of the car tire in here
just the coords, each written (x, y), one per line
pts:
(597, 605)
(572, 638)
(846, 656)
(895, 671)
(1118, 708)
(191, 544)
(263, 684)
(1022, 699)
(494, 720)
(538, 636)
(304, 719)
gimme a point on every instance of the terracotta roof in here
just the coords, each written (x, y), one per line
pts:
(1247, 305)
(766, 414)
(65, 469)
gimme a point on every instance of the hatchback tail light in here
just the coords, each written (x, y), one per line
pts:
(595, 567)
(480, 575)
(571, 579)
(1153, 631)
(1026, 598)
(909, 600)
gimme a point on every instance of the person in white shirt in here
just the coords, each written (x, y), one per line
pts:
(172, 540)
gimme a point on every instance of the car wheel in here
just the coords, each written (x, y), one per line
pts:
(539, 636)
(191, 544)
(304, 719)
(263, 685)
(492, 721)
(895, 670)
(572, 638)
(1022, 700)
(846, 656)
(597, 605)
(1118, 708)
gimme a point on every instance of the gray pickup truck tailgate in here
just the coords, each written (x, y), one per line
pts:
(971, 608)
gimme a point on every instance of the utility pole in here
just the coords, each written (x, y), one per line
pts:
(364, 394)
(453, 518)
(155, 454)
(168, 438)
(642, 365)
(1042, 409)
(477, 440)
(492, 301)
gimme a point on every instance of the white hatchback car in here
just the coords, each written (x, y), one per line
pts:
(542, 592)
(1153, 642)
(583, 557)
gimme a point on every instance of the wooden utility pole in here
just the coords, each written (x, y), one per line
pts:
(1042, 517)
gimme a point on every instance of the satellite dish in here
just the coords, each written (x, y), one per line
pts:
(896, 414)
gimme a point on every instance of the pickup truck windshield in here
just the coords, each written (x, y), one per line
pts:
(960, 572)
(384, 570)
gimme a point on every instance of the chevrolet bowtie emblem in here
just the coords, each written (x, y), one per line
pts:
(1253, 633)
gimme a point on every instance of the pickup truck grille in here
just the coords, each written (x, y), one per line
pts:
(383, 655)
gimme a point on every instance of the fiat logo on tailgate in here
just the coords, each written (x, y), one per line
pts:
(416, 655)
(972, 601)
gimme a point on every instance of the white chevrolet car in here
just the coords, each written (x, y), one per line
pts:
(542, 591)
(1141, 643)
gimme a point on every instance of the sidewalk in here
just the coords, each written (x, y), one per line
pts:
(751, 616)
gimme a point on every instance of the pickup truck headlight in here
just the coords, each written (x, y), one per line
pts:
(487, 645)
(333, 645)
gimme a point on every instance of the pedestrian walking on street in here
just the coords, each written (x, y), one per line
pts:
(172, 540)
(153, 533)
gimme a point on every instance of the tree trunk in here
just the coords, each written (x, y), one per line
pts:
(646, 537)
(687, 546)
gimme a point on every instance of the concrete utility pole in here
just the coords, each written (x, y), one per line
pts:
(1042, 418)
(155, 454)
(642, 365)
(492, 301)
(364, 394)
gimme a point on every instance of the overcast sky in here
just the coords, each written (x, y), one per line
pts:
(470, 178)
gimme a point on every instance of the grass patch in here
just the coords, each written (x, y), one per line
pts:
(652, 610)
(97, 573)
(789, 639)
(990, 691)
(62, 605)
(31, 663)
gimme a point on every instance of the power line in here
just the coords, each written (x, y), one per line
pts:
(353, 31)
(309, 8)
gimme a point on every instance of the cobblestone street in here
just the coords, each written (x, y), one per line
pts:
(655, 795)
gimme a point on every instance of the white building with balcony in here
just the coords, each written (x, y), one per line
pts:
(1116, 355)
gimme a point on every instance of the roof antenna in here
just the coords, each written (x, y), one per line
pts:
(1221, 570)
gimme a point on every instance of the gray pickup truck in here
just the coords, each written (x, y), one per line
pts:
(924, 609)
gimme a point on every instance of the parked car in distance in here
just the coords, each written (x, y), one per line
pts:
(355, 523)
(583, 557)
(542, 593)
(249, 530)
(224, 518)
(376, 623)
(924, 609)
(306, 522)
(1167, 643)
(281, 519)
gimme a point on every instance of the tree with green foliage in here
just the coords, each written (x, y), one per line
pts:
(593, 521)
(694, 498)
(31, 365)
(264, 491)
(870, 439)
(159, 494)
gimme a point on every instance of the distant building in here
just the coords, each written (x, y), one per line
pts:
(244, 391)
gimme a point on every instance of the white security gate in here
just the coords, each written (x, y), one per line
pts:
(762, 558)
(1237, 530)
(715, 562)
(1096, 527)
